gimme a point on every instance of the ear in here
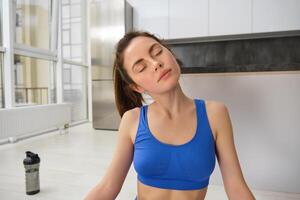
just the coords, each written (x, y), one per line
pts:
(136, 88)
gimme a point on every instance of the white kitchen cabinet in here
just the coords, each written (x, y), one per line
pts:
(229, 17)
(175, 19)
(152, 16)
(188, 18)
(276, 15)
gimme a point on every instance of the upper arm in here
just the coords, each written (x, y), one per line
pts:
(225, 150)
(123, 154)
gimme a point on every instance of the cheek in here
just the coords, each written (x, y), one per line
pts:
(145, 82)
(172, 63)
(175, 67)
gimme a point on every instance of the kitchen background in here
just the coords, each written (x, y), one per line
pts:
(262, 92)
(243, 53)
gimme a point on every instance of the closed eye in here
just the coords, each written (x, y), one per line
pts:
(141, 68)
(159, 52)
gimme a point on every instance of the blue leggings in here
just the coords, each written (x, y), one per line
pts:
(135, 198)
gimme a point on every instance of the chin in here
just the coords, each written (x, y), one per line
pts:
(170, 84)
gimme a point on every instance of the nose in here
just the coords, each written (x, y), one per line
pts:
(156, 64)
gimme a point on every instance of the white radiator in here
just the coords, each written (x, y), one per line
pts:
(22, 122)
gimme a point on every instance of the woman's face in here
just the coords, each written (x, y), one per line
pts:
(145, 61)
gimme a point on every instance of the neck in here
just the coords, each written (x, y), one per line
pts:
(171, 103)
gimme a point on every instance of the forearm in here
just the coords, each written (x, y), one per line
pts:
(240, 192)
(100, 192)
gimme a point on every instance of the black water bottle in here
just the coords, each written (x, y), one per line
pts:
(32, 164)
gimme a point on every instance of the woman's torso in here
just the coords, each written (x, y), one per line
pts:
(187, 123)
(146, 192)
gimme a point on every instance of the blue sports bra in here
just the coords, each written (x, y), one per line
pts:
(180, 167)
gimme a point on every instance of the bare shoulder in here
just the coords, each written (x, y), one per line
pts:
(215, 110)
(131, 121)
(215, 106)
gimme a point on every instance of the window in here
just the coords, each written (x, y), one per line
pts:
(39, 62)
(31, 18)
(72, 30)
(74, 58)
(1, 83)
(1, 61)
(35, 54)
(75, 90)
(34, 81)
(1, 23)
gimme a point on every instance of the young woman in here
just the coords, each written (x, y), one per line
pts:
(173, 141)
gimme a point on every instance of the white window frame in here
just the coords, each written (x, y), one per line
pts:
(8, 60)
(85, 62)
(2, 51)
(12, 48)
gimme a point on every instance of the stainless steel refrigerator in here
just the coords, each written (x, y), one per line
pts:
(109, 20)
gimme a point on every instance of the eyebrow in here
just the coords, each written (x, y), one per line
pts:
(141, 59)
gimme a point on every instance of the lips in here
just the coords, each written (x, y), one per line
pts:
(163, 73)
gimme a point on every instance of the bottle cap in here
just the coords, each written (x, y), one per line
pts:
(31, 158)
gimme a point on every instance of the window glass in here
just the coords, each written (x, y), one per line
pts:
(75, 90)
(0, 22)
(1, 82)
(72, 29)
(34, 81)
(31, 18)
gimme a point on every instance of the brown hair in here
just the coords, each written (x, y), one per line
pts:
(125, 97)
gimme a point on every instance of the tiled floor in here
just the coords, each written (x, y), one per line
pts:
(72, 163)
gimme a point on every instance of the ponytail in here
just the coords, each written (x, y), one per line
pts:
(125, 97)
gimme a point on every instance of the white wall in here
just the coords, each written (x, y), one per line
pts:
(265, 114)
